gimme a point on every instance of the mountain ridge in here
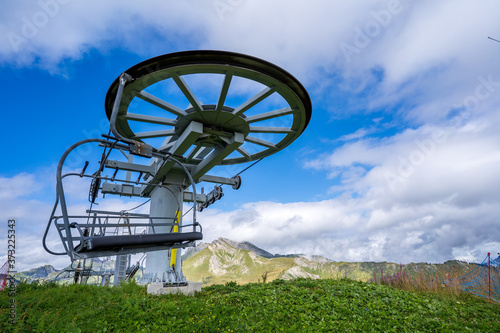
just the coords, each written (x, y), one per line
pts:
(239, 245)
(41, 272)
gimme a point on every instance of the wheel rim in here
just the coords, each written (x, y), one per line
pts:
(255, 117)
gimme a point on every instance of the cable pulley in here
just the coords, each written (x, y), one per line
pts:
(94, 189)
(237, 182)
(212, 197)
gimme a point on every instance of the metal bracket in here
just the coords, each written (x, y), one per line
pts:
(121, 189)
(200, 198)
(218, 155)
(141, 149)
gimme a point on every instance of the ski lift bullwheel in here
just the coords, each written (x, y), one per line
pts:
(254, 117)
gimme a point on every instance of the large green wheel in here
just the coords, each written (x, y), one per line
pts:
(160, 94)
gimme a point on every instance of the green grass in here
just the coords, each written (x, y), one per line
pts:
(300, 305)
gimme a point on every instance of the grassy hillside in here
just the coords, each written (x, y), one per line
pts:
(290, 306)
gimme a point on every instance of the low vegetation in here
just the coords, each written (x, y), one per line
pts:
(299, 305)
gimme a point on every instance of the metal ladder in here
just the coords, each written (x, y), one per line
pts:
(122, 261)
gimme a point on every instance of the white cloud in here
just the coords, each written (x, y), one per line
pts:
(360, 230)
(20, 185)
(47, 32)
(415, 43)
(442, 205)
(448, 183)
(31, 215)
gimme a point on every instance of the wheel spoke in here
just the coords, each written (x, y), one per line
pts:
(187, 91)
(260, 142)
(153, 134)
(160, 103)
(254, 100)
(244, 153)
(259, 129)
(224, 90)
(270, 115)
(149, 119)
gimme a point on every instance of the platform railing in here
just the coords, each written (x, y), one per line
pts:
(84, 229)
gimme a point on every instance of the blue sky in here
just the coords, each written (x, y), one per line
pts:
(399, 162)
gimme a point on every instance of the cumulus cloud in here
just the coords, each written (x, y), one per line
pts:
(398, 45)
(46, 32)
(19, 201)
(424, 181)
(29, 198)
(20, 185)
(425, 194)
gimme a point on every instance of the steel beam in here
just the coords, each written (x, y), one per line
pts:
(217, 180)
(264, 129)
(121, 189)
(153, 134)
(182, 144)
(130, 166)
(217, 156)
(260, 142)
(188, 197)
(149, 119)
(224, 90)
(183, 86)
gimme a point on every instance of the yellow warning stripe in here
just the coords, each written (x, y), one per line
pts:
(173, 252)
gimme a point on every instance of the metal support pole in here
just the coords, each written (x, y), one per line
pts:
(489, 278)
(165, 202)
(122, 261)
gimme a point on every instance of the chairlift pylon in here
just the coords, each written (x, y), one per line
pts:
(189, 139)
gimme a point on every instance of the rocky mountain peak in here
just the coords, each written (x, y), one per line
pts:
(246, 246)
(40, 272)
(227, 244)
